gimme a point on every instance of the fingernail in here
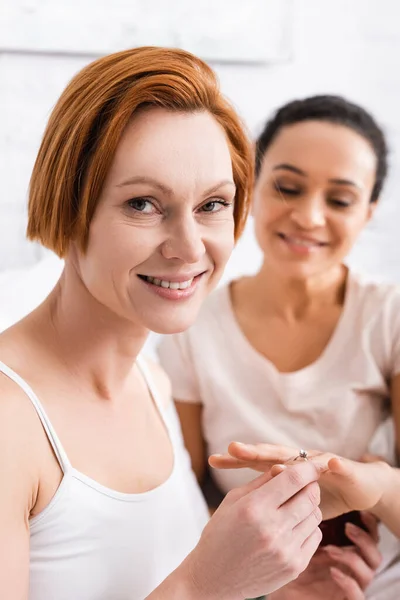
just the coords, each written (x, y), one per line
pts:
(333, 551)
(277, 469)
(352, 530)
(337, 574)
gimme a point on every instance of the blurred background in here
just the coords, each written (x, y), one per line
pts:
(265, 52)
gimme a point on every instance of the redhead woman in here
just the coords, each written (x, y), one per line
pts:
(142, 185)
(305, 354)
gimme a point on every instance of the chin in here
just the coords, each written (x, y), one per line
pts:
(172, 323)
(173, 326)
(299, 271)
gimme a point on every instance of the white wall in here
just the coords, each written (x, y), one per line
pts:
(350, 48)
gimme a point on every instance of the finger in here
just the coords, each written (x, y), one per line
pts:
(308, 526)
(310, 546)
(303, 505)
(259, 456)
(237, 493)
(372, 524)
(288, 483)
(355, 564)
(365, 544)
(225, 461)
(260, 452)
(347, 584)
(276, 469)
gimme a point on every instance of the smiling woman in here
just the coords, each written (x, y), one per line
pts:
(314, 349)
(142, 184)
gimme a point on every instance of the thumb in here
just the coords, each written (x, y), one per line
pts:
(338, 466)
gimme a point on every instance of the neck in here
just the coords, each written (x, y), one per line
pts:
(98, 347)
(293, 298)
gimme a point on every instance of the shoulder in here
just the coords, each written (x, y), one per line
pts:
(375, 315)
(14, 405)
(374, 298)
(21, 439)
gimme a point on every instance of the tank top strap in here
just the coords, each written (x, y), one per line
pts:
(155, 393)
(51, 434)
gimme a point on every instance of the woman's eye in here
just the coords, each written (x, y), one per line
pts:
(287, 191)
(340, 203)
(215, 206)
(142, 205)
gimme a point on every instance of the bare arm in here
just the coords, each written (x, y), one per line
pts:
(178, 585)
(395, 400)
(190, 418)
(17, 485)
(388, 509)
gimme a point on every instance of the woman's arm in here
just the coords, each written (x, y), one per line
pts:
(190, 418)
(17, 485)
(388, 508)
(395, 402)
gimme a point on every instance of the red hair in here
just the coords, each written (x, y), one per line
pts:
(88, 120)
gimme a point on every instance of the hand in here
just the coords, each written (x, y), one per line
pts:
(262, 536)
(338, 573)
(345, 484)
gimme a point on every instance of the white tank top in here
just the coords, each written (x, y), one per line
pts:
(93, 543)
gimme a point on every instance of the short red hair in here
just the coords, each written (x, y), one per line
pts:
(88, 120)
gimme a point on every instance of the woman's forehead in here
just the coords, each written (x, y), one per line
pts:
(172, 144)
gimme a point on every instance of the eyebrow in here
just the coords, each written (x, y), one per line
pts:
(166, 189)
(293, 169)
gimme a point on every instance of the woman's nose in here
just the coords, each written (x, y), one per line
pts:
(185, 243)
(309, 213)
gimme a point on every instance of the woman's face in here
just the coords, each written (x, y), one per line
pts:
(163, 229)
(312, 197)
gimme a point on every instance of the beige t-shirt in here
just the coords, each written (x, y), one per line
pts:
(335, 404)
(339, 403)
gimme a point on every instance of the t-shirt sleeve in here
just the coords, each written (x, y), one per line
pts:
(393, 327)
(176, 358)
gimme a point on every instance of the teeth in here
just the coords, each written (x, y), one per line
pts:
(303, 242)
(172, 285)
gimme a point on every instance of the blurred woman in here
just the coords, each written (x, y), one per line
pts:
(305, 353)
